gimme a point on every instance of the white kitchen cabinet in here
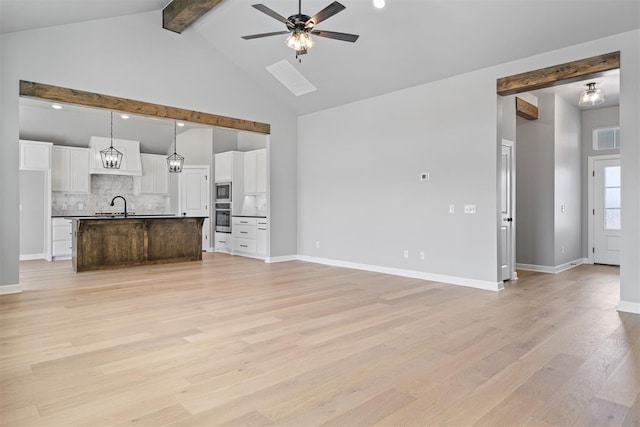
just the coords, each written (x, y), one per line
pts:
(155, 174)
(35, 155)
(255, 171)
(61, 238)
(261, 237)
(224, 242)
(249, 236)
(261, 171)
(70, 169)
(228, 166)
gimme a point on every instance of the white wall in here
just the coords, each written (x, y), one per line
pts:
(535, 186)
(133, 57)
(592, 119)
(248, 141)
(358, 166)
(196, 145)
(32, 208)
(360, 194)
(567, 182)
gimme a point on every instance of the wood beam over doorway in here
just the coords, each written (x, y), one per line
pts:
(178, 15)
(559, 74)
(526, 110)
(89, 99)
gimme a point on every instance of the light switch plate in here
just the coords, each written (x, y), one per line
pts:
(424, 176)
(469, 209)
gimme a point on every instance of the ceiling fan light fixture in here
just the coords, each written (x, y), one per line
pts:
(591, 96)
(300, 41)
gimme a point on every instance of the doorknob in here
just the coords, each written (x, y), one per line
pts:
(507, 219)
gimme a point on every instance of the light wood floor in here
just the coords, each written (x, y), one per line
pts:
(234, 341)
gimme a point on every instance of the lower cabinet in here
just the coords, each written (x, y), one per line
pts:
(223, 242)
(61, 238)
(249, 236)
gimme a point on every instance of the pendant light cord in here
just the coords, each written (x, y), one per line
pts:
(175, 137)
(112, 129)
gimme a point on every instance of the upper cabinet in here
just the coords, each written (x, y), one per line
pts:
(255, 171)
(35, 155)
(155, 174)
(228, 166)
(70, 169)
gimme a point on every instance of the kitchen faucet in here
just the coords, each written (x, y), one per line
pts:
(125, 204)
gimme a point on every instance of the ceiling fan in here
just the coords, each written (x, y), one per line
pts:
(300, 27)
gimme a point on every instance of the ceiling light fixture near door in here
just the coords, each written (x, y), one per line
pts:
(380, 4)
(301, 27)
(111, 158)
(591, 96)
(175, 161)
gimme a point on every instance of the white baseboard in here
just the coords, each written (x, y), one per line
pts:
(29, 257)
(10, 289)
(629, 307)
(553, 270)
(285, 258)
(452, 280)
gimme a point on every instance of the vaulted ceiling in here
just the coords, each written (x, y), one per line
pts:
(407, 43)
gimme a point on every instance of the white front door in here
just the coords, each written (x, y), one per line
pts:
(194, 196)
(506, 212)
(606, 211)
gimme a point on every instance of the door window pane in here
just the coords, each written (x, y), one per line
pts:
(612, 198)
(612, 176)
(612, 219)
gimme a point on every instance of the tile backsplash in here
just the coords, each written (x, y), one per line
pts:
(103, 189)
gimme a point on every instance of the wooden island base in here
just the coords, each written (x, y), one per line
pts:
(102, 243)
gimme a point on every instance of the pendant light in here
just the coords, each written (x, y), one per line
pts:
(591, 96)
(175, 161)
(111, 158)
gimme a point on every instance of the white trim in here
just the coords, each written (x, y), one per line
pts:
(553, 270)
(590, 195)
(629, 307)
(285, 258)
(29, 257)
(452, 280)
(10, 289)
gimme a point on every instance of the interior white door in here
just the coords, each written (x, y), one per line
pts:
(606, 211)
(194, 197)
(506, 211)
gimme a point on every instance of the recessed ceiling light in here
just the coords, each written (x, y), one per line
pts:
(379, 3)
(124, 116)
(56, 106)
(180, 124)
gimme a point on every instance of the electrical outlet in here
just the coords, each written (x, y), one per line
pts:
(424, 176)
(422, 255)
(561, 248)
(406, 254)
(452, 208)
(317, 244)
(469, 209)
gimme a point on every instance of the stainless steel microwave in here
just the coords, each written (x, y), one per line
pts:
(223, 192)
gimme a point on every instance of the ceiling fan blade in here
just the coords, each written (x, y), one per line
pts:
(327, 12)
(337, 36)
(257, 36)
(275, 15)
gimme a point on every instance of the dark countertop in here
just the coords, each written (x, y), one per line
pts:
(120, 217)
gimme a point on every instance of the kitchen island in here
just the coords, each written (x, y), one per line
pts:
(114, 242)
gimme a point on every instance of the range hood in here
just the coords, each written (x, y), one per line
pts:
(130, 150)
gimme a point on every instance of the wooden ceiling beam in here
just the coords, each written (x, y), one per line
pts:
(526, 110)
(178, 15)
(89, 99)
(559, 74)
